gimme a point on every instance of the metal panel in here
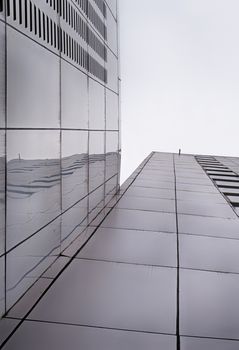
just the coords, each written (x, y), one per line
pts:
(29, 260)
(112, 144)
(112, 39)
(2, 191)
(113, 6)
(57, 69)
(112, 68)
(2, 74)
(74, 221)
(33, 84)
(74, 167)
(33, 183)
(96, 105)
(96, 159)
(112, 110)
(2, 285)
(74, 97)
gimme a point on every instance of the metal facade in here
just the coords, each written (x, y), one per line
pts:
(59, 130)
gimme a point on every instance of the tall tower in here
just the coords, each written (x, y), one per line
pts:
(59, 130)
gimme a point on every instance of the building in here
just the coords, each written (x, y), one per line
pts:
(159, 269)
(59, 130)
(85, 264)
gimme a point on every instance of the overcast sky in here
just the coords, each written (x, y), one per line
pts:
(180, 78)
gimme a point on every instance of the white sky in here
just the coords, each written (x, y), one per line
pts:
(180, 78)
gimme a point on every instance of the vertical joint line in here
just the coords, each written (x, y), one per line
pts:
(178, 262)
(5, 170)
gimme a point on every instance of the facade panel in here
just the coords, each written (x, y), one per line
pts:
(74, 97)
(33, 182)
(30, 259)
(2, 285)
(96, 159)
(112, 110)
(2, 192)
(2, 72)
(74, 171)
(53, 82)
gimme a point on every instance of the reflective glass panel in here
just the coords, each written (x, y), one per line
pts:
(74, 221)
(33, 84)
(112, 67)
(2, 285)
(74, 167)
(2, 74)
(2, 191)
(112, 110)
(74, 97)
(29, 260)
(96, 105)
(33, 182)
(113, 6)
(112, 33)
(96, 159)
(111, 153)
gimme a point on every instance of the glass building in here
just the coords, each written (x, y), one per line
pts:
(59, 130)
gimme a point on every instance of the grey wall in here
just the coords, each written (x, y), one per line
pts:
(59, 129)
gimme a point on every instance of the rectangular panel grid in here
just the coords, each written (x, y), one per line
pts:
(158, 266)
(53, 140)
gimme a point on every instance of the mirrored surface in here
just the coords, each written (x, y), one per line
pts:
(112, 156)
(112, 110)
(112, 39)
(111, 188)
(74, 97)
(113, 6)
(27, 301)
(74, 165)
(2, 285)
(74, 221)
(29, 260)
(96, 159)
(6, 328)
(33, 84)
(53, 161)
(33, 187)
(96, 105)
(2, 72)
(2, 191)
(112, 67)
(96, 202)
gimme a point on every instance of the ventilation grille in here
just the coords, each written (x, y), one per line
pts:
(37, 23)
(224, 178)
(71, 16)
(89, 11)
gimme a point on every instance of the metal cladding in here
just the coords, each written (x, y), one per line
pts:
(159, 271)
(59, 130)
